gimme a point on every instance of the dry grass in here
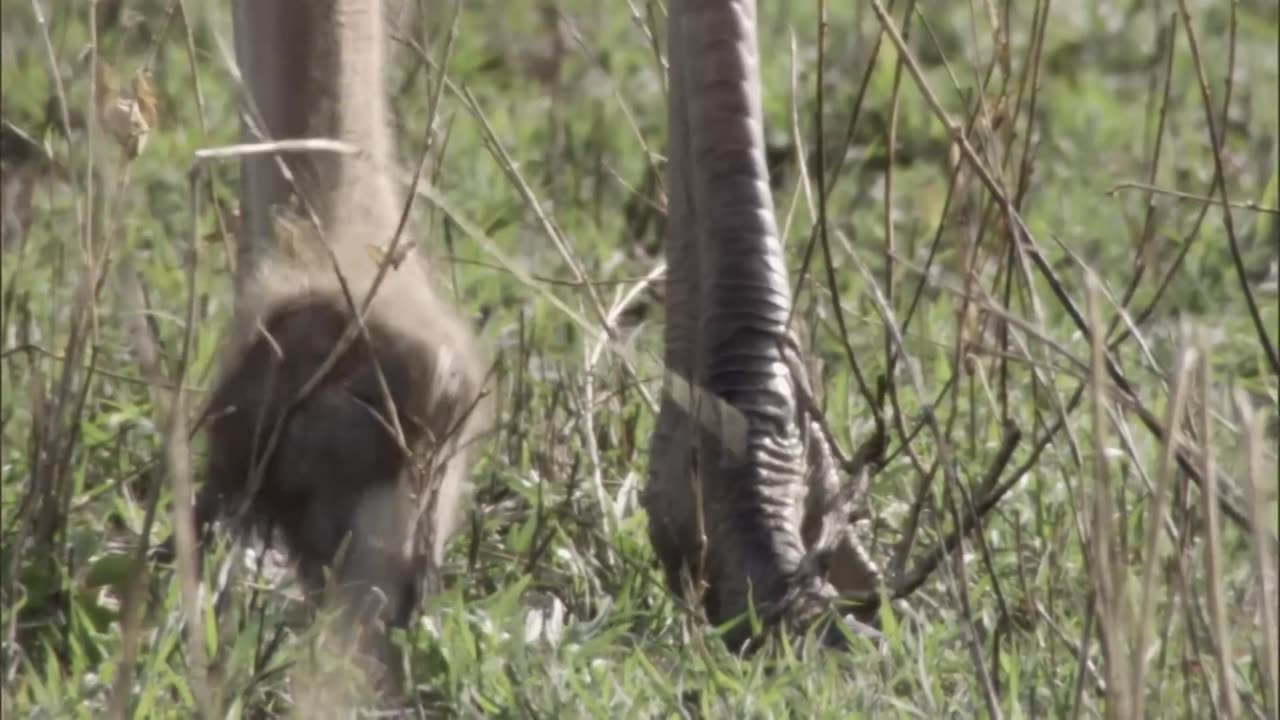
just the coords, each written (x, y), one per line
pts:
(1034, 250)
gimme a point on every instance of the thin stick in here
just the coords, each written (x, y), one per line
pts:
(1215, 141)
(229, 152)
(1219, 637)
(1105, 574)
(1264, 561)
(1164, 479)
(832, 285)
(1146, 187)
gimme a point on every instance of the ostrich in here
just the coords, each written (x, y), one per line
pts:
(739, 507)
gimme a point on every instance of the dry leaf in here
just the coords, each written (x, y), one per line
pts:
(144, 94)
(128, 119)
(379, 255)
(289, 228)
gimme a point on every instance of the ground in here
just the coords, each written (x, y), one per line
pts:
(1103, 578)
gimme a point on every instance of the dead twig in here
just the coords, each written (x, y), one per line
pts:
(1215, 143)
(1245, 205)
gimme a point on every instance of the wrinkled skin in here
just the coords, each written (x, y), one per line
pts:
(750, 515)
(728, 300)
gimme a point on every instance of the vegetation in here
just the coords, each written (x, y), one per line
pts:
(1088, 324)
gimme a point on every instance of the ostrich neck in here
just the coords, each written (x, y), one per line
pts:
(314, 68)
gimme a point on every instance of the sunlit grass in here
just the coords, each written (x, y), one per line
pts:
(555, 606)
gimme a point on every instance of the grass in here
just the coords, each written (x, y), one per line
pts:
(1104, 583)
